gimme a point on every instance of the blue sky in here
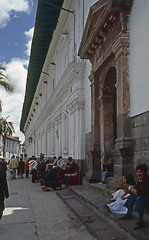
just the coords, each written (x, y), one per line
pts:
(17, 21)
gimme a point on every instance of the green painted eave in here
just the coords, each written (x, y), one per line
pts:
(46, 21)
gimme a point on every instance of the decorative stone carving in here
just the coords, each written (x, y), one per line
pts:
(105, 43)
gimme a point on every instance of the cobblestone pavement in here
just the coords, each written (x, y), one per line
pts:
(33, 214)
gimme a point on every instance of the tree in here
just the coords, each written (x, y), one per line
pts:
(4, 82)
(6, 129)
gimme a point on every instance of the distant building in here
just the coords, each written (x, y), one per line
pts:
(13, 147)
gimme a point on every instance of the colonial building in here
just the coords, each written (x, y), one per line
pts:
(12, 147)
(86, 93)
(56, 113)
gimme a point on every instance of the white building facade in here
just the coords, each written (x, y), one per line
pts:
(70, 115)
(60, 113)
(12, 147)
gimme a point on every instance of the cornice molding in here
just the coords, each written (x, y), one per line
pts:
(100, 20)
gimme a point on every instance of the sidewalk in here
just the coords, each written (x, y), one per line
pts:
(18, 221)
(32, 214)
(68, 214)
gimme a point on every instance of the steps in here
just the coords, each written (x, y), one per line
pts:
(87, 202)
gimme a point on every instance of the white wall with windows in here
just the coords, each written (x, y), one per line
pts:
(12, 147)
(62, 117)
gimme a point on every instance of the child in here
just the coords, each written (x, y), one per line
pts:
(118, 205)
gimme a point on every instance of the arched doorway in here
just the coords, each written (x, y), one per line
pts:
(109, 114)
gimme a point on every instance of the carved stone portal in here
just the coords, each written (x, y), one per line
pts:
(105, 44)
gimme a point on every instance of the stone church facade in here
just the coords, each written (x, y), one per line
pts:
(115, 134)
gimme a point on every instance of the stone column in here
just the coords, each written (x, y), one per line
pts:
(95, 128)
(123, 142)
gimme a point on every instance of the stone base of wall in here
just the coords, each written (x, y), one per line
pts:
(140, 139)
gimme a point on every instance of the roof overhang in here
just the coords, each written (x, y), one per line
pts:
(46, 20)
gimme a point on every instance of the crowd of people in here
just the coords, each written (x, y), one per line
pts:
(19, 166)
(130, 195)
(50, 173)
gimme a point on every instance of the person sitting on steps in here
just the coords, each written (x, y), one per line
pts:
(107, 171)
(139, 196)
(121, 195)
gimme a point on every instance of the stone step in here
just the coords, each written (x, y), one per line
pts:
(106, 192)
(96, 225)
(88, 204)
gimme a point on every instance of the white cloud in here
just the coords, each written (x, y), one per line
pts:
(12, 102)
(29, 36)
(12, 6)
(16, 68)
(17, 74)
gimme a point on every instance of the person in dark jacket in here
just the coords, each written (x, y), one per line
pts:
(139, 196)
(21, 167)
(3, 189)
(71, 165)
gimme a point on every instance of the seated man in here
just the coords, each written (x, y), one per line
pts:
(61, 163)
(139, 196)
(107, 171)
(71, 165)
(71, 176)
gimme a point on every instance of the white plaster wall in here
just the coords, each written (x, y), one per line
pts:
(82, 10)
(139, 57)
(71, 87)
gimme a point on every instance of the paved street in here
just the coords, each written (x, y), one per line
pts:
(32, 214)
